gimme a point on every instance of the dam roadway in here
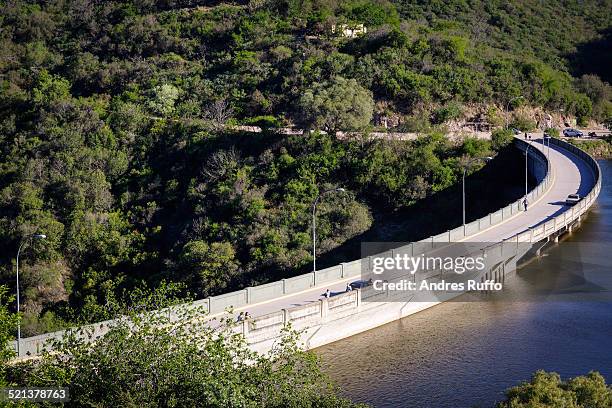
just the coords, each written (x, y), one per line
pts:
(571, 175)
(560, 169)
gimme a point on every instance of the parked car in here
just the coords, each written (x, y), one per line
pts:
(572, 199)
(360, 284)
(572, 133)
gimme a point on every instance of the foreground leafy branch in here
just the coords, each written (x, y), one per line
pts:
(152, 360)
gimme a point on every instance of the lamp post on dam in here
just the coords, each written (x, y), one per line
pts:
(526, 172)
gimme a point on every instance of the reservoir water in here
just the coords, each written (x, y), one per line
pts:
(465, 354)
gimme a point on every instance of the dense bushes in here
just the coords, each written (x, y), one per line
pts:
(124, 202)
(501, 138)
(151, 360)
(548, 390)
(113, 137)
(601, 148)
(337, 105)
(552, 132)
(523, 123)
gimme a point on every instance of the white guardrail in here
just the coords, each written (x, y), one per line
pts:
(260, 328)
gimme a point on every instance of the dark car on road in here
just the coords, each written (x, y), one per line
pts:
(360, 284)
(572, 199)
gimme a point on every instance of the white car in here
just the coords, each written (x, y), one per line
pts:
(572, 199)
(569, 132)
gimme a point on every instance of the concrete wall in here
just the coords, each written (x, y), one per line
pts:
(471, 228)
(268, 291)
(352, 268)
(443, 237)
(299, 283)
(233, 299)
(328, 274)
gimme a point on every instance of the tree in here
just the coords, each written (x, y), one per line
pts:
(522, 122)
(583, 107)
(114, 120)
(340, 104)
(164, 98)
(152, 360)
(450, 111)
(8, 326)
(373, 13)
(475, 147)
(501, 138)
(50, 88)
(218, 113)
(547, 390)
(210, 265)
(552, 132)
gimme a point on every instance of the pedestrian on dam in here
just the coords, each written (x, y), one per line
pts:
(348, 287)
(525, 203)
(327, 293)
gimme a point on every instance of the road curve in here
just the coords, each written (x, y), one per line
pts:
(571, 175)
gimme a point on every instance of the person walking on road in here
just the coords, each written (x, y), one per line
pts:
(327, 293)
(525, 203)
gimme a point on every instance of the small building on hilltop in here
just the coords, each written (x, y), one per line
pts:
(349, 30)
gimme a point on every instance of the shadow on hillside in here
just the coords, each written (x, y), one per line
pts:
(494, 186)
(594, 57)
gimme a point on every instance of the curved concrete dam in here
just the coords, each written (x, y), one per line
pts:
(467, 353)
(503, 238)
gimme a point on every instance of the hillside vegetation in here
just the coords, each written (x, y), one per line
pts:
(114, 137)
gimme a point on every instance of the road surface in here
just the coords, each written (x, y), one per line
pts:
(571, 175)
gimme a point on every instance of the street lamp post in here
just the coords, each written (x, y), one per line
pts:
(21, 245)
(486, 159)
(547, 145)
(526, 171)
(314, 224)
(508, 107)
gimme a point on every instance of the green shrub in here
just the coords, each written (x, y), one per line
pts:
(451, 110)
(548, 390)
(552, 132)
(373, 14)
(415, 123)
(264, 122)
(501, 138)
(523, 123)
